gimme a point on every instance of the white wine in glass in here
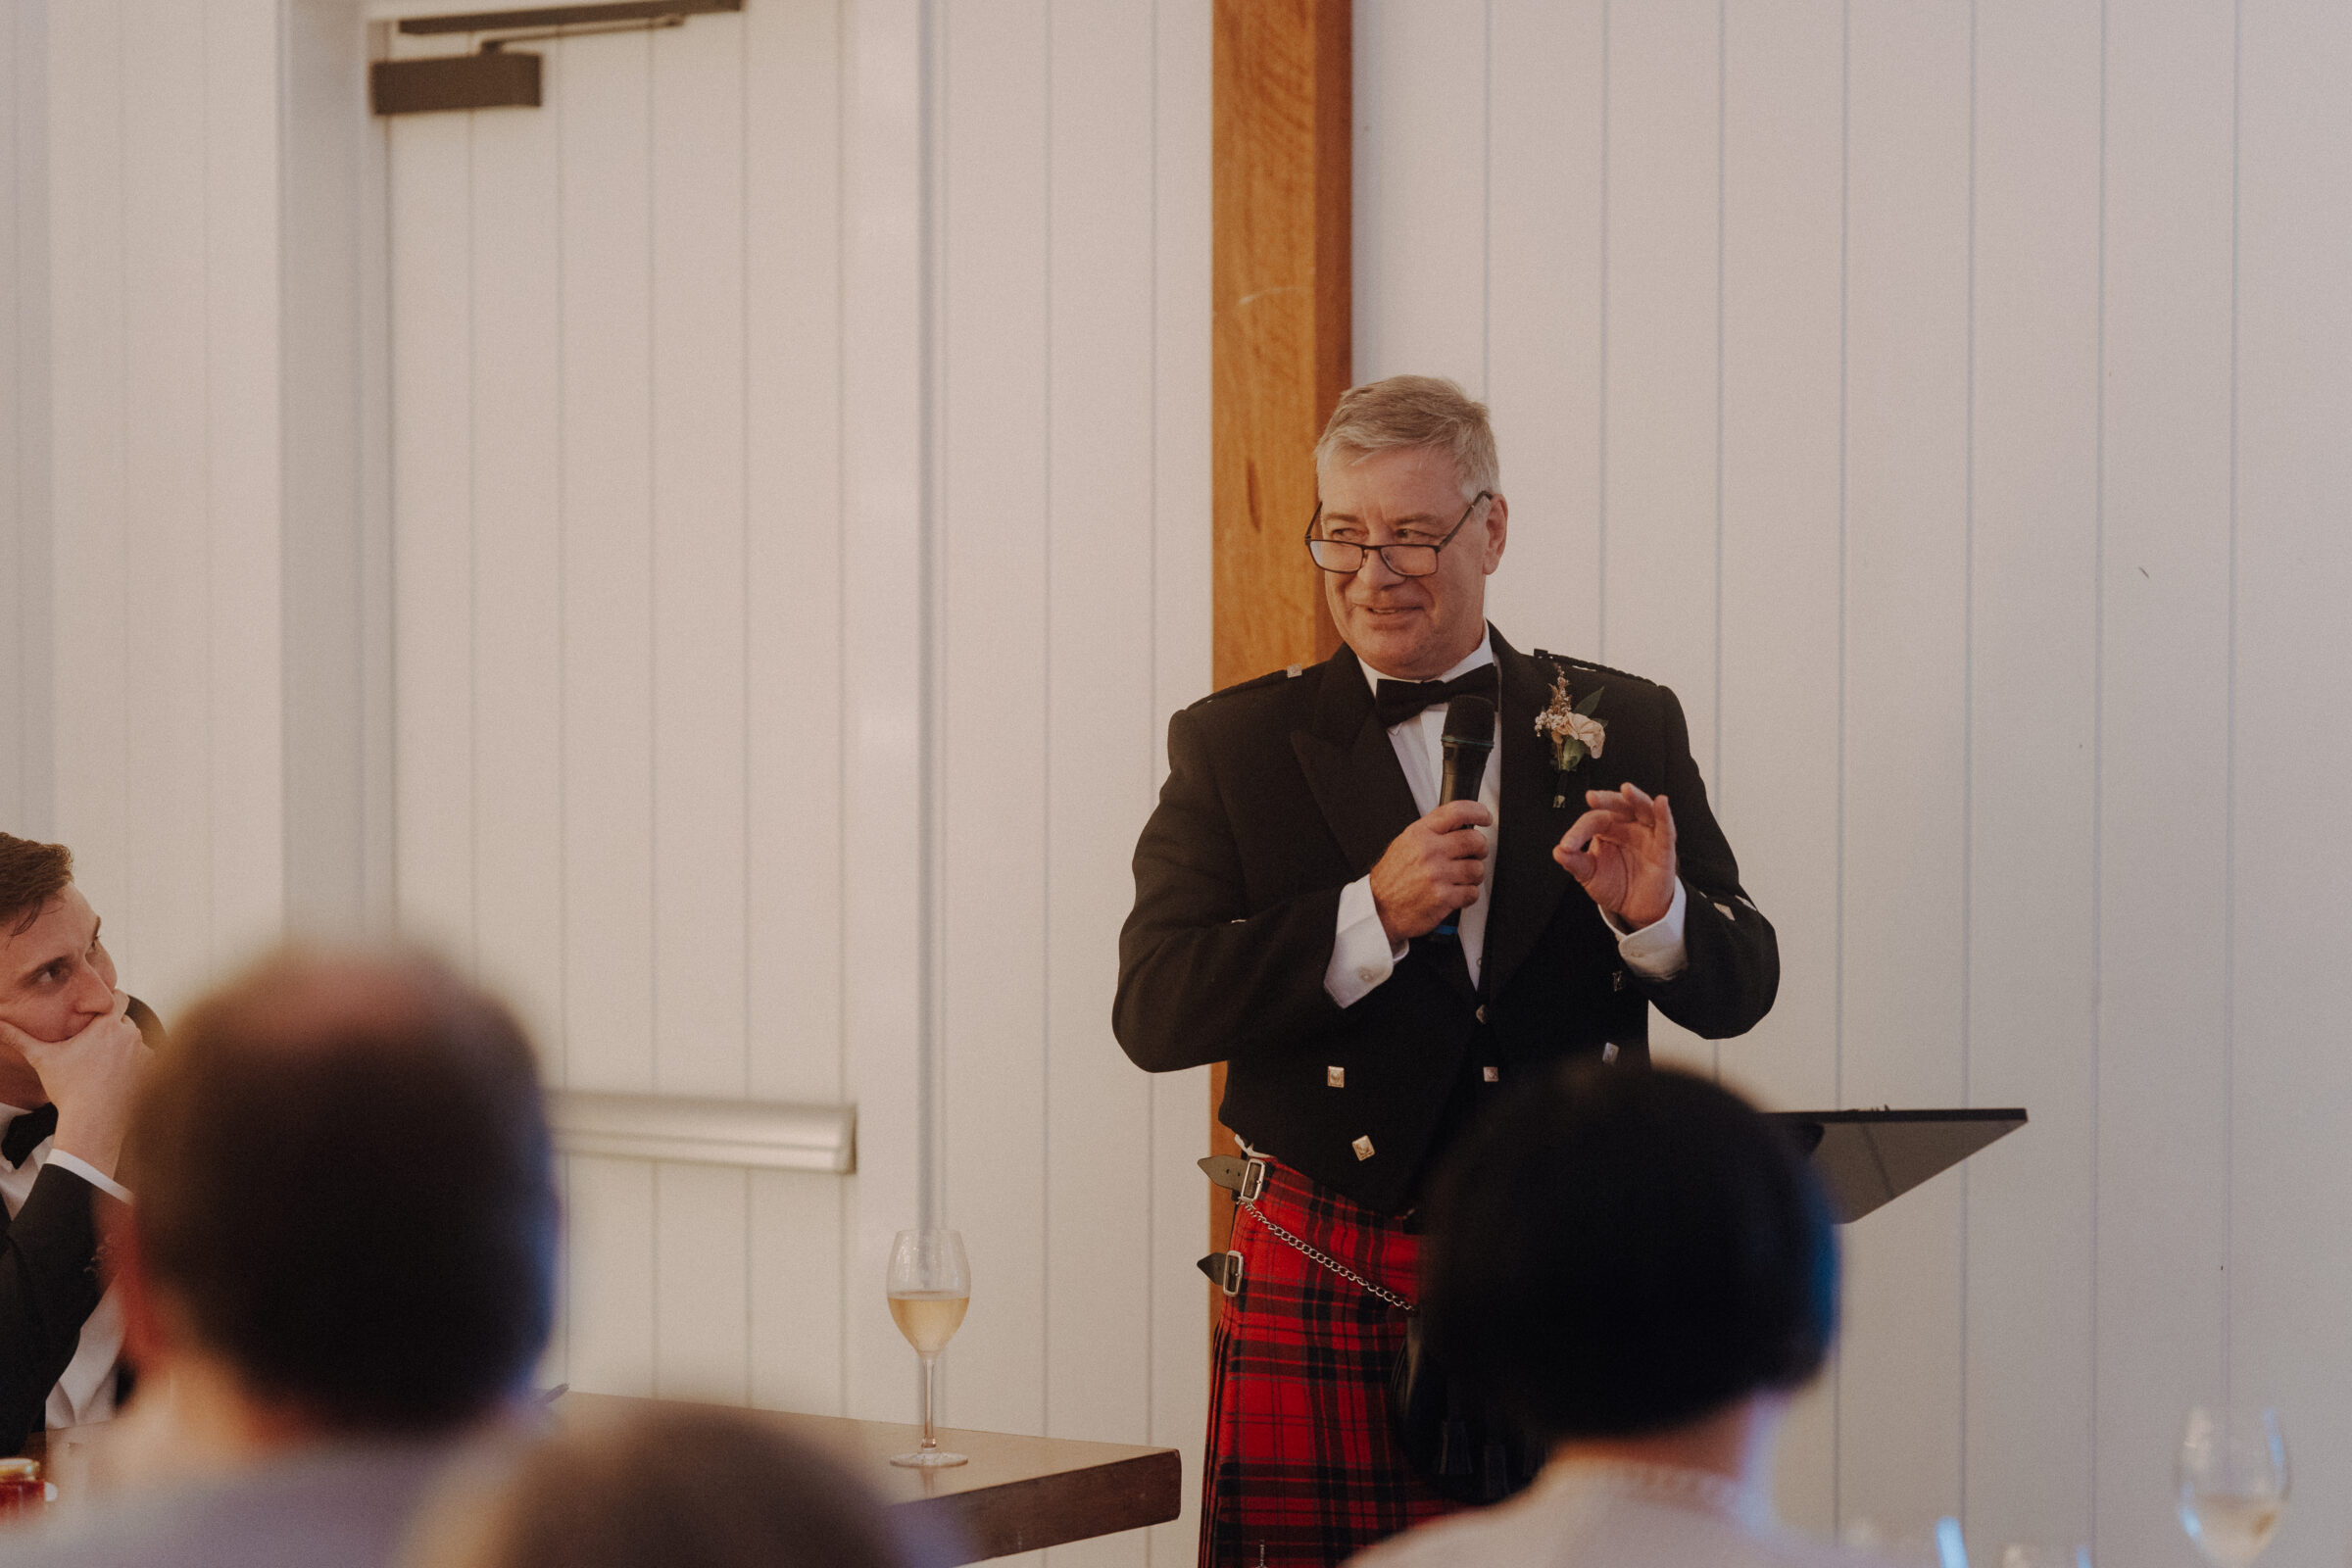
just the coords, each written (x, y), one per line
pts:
(2233, 1482)
(930, 1287)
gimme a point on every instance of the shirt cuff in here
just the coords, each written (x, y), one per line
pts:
(1656, 951)
(89, 1173)
(1361, 956)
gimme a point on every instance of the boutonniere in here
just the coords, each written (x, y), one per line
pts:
(1574, 734)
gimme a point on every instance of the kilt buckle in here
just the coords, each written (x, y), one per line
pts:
(1224, 1271)
(1246, 1178)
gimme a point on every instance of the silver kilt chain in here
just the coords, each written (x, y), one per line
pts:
(1328, 1261)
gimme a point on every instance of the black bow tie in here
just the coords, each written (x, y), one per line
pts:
(26, 1133)
(1396, 700)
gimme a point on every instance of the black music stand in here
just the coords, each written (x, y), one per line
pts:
(1864, 1158)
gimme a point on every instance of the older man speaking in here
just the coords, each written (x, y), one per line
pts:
(1375, 964)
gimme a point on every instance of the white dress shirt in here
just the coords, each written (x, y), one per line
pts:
(1361, 956)
(87, 1390)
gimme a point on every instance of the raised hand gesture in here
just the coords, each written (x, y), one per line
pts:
(92, 1077)
(1621, 852)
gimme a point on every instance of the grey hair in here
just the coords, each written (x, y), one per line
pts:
(1414, 410)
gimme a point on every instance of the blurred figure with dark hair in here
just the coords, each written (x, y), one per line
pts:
(72, 1047)
(675, 1485)
(340, 1263)
(1640, 1268)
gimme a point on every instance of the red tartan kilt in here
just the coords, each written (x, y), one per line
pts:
(1302, 1467)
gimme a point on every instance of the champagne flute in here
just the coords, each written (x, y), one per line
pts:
(930, 1286)
(2232, 1480)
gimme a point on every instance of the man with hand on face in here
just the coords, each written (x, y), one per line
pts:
(1375, 966)
(72, 1047)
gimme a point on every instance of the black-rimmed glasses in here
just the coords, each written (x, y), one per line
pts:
(1346, 556)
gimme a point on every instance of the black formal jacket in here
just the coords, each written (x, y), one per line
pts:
(49, 1282)
(1284, 790)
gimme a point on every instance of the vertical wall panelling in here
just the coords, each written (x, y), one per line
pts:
(162, 230)
(2167, 650)
(1542, 313)
(792, 663)
(25, 574)
(601, 115)
(1100, 1230)
(1180, 617)
(431, 282)
(331, 569)
(667, 394)
(249, 264)
(515, 498)
(1660, 560)
(25, 663)
(1906, 752)
(1421, 196)
(886, 327)
(1779, 734)
(699, 718)
(995, 503)
(91, 660)
(165, 585)
(2026, 423)
(2288, 1088)
(581, 749)
(2032, 703)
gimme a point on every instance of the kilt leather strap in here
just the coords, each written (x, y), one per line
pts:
(1244, 1178)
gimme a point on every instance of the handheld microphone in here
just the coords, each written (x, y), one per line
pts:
(1468, 741)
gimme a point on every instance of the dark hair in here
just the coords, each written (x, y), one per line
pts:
(31, 875)
(679, 1486)
(1620, 1250)
(344, 1178)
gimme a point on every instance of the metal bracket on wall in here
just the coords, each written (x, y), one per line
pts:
(496, 78)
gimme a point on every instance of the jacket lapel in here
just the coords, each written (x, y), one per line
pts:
(1350, 767)
(1529, 883)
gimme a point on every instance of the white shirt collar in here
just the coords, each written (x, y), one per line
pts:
(1482, 653)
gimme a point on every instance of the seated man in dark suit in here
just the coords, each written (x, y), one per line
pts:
(340, 1268)
(70, 1052)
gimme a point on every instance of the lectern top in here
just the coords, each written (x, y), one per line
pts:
(1864, 1158)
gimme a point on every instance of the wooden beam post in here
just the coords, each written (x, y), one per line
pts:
(1279, 349)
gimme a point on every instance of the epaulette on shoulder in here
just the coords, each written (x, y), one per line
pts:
(1585, 664)
(1271, 678)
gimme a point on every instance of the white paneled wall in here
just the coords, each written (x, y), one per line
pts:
(25, 642)
(143, 536)
(617, 352)
(1949, 401)
(799, 438)
(670, 528)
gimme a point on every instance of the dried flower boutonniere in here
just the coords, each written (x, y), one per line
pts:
(1574, 732)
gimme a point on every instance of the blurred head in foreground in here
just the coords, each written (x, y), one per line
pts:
(347, 1215)
(1635, 1261)
(668, 1486)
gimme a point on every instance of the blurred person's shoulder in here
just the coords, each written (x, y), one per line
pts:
(349, 1507)
(1572, 1523)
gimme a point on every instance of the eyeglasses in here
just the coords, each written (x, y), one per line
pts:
(1345, 555)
